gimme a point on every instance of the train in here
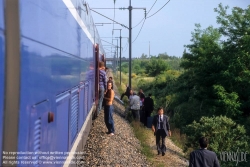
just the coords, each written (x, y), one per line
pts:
(49, 55)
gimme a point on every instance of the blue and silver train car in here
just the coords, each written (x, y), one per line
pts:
(49, 54)
(2, 69)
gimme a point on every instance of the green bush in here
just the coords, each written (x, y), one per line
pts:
(224, 136)
(133, 75)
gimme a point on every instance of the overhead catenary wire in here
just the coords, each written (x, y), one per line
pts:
(158, 10)
(138, 23)
(150, 16)
(139, 31)
(108, 42)
(109, 18)
(113, 22)
(126, 47)
(147, 14)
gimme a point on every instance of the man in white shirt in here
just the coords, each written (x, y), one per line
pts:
(135, 106)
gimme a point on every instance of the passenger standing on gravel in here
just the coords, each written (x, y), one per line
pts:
(127, 93)
(148, 108)
(161, 129)
(142, 97)
(135, 106)
(102, 85)
(203, 157)
(108, 110)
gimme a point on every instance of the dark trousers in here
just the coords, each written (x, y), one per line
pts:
(146, 115)
(142, 116)
(160, 140)
(136, 114)
(108, 118)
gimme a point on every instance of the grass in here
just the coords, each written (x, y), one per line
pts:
(161, 165)
(178, 138)
(134, 81)
(141, 133)
(121, 89)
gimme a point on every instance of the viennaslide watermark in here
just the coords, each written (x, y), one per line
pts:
(233, 156)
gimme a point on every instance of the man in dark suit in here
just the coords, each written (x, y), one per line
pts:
(203, 157)
(161, 129)
(148, 108)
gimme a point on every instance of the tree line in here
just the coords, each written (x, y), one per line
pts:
(207, 91)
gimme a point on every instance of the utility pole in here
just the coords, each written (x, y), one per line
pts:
(130, 41)
(149, 50)
(116, 57)
(120, 57)
(130, 33)
(120, 54)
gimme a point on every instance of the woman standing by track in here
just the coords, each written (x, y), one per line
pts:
(108, 110)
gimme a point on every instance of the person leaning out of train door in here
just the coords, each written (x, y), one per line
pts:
(161, 129)
(108, 110)
(102, 85)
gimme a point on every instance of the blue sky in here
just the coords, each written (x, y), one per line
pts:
(166, 31)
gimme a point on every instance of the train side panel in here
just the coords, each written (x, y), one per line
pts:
(57, 78)
(2, 69)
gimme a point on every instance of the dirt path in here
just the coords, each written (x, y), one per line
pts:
(174, 155)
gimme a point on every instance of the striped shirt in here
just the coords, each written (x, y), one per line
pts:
(102, 79)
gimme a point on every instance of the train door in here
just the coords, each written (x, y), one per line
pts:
(103, 59)
(96, 76)
(2, 46)
(9, 77)
(1, 94)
